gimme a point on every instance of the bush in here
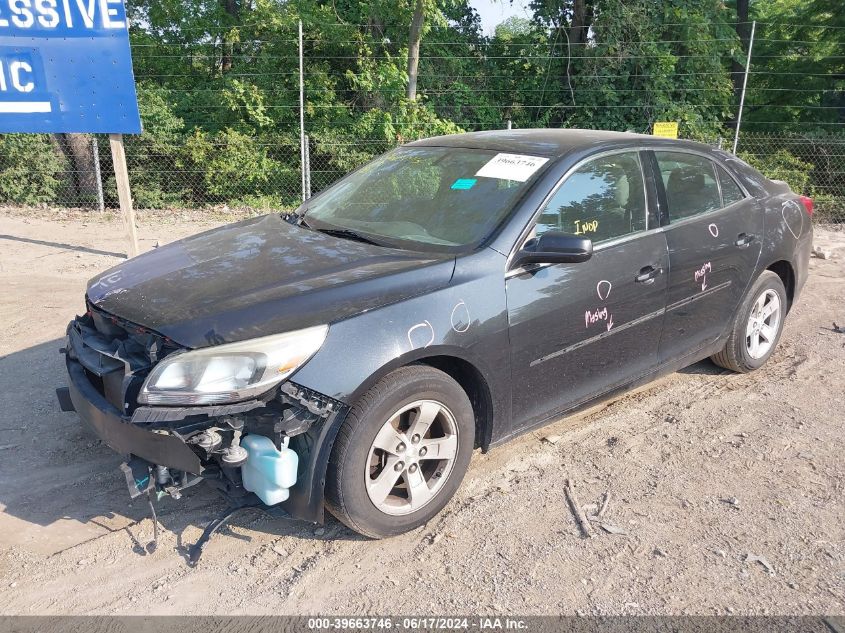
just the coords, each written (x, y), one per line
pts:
(782, 165)
(155, 157)
(29, 169)
(346, 145)
(230, 165)
(829, 208)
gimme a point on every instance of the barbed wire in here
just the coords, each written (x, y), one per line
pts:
(721, 73)
(404, 25)
(468, 44)
(295, 58)
(433, 43)
(441, 92)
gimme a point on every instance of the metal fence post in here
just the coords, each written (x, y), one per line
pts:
(744, 84)
(307, 167)
(95, 149)
(301, 115)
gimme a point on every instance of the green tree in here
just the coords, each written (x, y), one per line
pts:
(219, 86)
(798, 67)
(30, 168)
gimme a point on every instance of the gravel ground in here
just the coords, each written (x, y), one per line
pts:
(725, 491)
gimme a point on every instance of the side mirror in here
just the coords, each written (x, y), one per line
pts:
(554, 247)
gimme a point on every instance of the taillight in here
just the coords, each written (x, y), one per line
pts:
(807, 201)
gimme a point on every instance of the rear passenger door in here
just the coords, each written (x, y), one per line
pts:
(713, 230)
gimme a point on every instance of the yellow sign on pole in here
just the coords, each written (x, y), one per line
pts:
(668, 129)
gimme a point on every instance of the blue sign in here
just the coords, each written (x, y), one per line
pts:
(65, 66)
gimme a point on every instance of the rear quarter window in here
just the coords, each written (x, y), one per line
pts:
(753, 181)
(730, 190)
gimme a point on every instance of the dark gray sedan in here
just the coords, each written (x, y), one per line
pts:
(449, 295)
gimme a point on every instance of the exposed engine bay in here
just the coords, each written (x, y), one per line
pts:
(269, 451)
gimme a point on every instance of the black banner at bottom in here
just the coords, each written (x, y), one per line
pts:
(523, 624)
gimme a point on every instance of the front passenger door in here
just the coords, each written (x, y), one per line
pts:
(577, 330)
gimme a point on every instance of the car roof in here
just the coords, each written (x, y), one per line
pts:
(547, 141)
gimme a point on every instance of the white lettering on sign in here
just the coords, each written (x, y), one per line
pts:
(108, 13)
(16, 76)
(517, 167)
(20, 85)
(59, 14)
(22, 16)
(68, 16)
(87, 15)
(48, 16)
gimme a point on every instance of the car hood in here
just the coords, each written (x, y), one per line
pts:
(258, 277)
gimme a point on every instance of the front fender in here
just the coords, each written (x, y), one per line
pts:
(466, 320)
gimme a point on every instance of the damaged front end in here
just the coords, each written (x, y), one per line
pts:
(270, 449)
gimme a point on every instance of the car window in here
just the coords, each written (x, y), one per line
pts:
(730, 190)
(602, 200)
(690, 184)
(431, 198)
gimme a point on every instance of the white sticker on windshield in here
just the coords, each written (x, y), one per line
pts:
(517, 167)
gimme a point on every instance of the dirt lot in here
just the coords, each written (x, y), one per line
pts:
(706, 471)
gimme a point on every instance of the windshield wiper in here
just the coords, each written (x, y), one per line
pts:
(348, 234)
(290, 217)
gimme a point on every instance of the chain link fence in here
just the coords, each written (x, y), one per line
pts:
(812, 165)
(232, 171)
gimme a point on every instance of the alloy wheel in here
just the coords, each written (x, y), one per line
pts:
(411, 457)
(763, 324)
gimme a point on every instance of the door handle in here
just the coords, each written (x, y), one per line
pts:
(647, 275)
(743, 240)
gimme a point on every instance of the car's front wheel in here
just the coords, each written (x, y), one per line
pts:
(401, 452)
(757, 327)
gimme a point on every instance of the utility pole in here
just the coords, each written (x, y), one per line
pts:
(301, 115)
(744, 85)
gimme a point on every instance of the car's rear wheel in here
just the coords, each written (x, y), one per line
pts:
(757, 327)
(401, 452)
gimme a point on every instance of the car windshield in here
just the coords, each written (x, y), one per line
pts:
(428, 198)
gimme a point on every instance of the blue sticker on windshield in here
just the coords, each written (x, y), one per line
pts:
(464, 183)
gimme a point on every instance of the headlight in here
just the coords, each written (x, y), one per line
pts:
(231, 372)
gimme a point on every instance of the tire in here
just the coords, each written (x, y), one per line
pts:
(739, 354)
(360, 470)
